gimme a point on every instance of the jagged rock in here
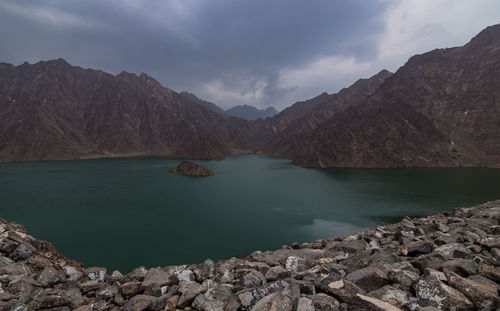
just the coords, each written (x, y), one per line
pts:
(189, 291)
(116, 276)
(277, 273)
(392, 295)
(50, 276)
(96, 273)
(323, 302)
(107, 293)
(130, 289)
(431, 292)
(490, 272)
(22, 252)
(369, 278)
(404, 274)
(490, 241)
(155, 279)
(463, 266)
(248, 298)
(171, 303)
(484, 297)
(274, 302)
(189, 168)
(138, 274)
(366, 303)
(72, 273)
(217, 298)
(305, 304)
(139, 303)
(341, 289)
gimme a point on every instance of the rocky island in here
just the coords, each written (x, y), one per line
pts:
(448, 261)
(188, 168)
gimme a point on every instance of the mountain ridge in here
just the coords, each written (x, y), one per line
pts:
(440, 108)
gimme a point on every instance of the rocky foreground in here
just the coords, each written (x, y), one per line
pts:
(449, 261)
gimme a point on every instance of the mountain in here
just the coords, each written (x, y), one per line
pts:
(52, 110)
(441, 108)
(251, 113)
(204, 103)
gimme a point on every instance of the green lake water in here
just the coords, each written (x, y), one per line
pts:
(123, 213)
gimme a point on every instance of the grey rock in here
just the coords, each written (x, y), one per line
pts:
(366, 303)
(369, 278)
(138, 274)
(277, 273)
(462, 266)
(130, 289)
(217, 298)
(484, 297)
(323, 302)
(50, 276)
(274, 302)
(305, 304)
(189, 292)
(341, 289)
(431, 292)
(96, 273)
(248, 298)
(155, 279)
(490, 272)
(22, 252)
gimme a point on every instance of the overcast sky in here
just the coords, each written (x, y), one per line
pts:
(233, 52)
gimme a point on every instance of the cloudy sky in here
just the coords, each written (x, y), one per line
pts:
(233, 52)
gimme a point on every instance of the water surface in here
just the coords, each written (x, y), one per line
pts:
(122, 213)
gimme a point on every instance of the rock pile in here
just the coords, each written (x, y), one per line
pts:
(449, 261)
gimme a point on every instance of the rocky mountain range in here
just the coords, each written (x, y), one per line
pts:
(441, 108)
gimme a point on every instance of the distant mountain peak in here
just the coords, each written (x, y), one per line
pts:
(250, 112)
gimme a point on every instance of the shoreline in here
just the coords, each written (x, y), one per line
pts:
(448, 260)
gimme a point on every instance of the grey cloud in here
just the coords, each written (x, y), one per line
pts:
(188, 45)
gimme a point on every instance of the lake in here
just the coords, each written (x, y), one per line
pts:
(125, 212)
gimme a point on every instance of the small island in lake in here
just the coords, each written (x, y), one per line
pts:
(193, 169)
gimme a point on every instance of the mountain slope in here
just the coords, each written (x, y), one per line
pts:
(52, 110)
(441, 108)
(204, 103)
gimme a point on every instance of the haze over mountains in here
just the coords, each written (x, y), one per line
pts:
(441, 108)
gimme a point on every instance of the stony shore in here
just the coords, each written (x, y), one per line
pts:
(449, 261)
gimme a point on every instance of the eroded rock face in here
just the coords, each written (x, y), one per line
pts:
(450, 262)
(193, 169)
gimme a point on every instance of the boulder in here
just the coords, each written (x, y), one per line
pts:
(50, 276)
(369, 278)
(95, 273)
(341, 289)
(323, 302)
(274, 302)
(189, 291)
(484, 297)
(217, 298)
(362, 302)
(130, 289)
(277, 273)
(432, 292)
